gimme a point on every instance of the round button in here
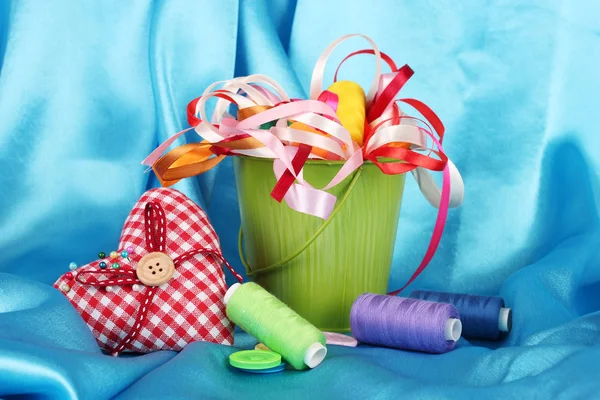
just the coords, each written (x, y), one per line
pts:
(254, 359)
(155, 268)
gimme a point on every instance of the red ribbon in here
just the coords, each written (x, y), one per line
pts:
(191, 107)
(191, 112)
(286, 180)
(389, 93)
(429, 115)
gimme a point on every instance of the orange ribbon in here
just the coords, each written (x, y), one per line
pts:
(196, 158)
(250, 111)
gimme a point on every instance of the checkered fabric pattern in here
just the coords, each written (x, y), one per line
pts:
(188, 308)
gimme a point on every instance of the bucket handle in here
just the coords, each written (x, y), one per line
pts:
(285, 261)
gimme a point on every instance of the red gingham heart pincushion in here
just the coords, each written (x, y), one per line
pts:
(163, 288)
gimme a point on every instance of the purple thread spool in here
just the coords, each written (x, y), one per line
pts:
(405, 323)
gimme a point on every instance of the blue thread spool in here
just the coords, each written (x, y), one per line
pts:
(482, 317)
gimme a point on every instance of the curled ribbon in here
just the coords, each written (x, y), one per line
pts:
(262, 129)
(155, 236)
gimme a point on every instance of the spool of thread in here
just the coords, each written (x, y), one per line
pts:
(404, 323)
(276, 325)
(482, 317)
(351, 108)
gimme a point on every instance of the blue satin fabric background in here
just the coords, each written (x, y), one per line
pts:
(89, 88)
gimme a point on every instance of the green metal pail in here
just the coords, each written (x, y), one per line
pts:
(318, 268)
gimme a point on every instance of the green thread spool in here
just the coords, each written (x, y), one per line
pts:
(276, 325)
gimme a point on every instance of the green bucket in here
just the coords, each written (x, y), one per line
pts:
(318, 268)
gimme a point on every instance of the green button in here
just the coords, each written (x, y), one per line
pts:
(254, 359)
